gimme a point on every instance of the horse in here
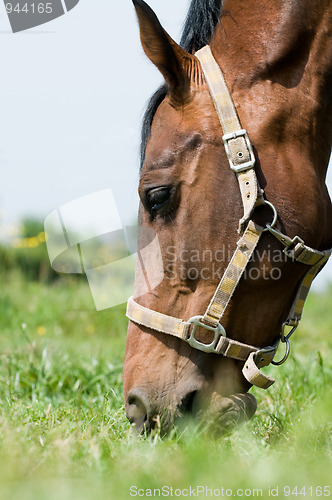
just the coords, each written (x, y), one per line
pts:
(276, 60)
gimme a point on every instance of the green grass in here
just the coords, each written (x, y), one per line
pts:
(63, 432)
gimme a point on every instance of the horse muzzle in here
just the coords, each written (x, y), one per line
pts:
(218, 414)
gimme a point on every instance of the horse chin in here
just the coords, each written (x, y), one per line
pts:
(222, 414)
(218, 415)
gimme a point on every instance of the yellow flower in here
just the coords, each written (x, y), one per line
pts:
(41, 330)
(32, 242)
(41, 237)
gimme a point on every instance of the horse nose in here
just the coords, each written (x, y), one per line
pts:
(188, 404)
(138, 410)
(147, 413)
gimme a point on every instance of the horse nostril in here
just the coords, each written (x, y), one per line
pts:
(187, 403)
(138, 409)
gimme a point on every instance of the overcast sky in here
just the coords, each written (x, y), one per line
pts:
(72, 96)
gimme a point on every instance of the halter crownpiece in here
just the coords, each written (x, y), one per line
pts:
(242, 161)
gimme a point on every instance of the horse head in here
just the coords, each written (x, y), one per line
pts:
(190, 199)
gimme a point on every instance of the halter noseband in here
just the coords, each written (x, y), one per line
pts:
(242, 161)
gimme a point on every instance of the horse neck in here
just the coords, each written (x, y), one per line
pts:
(283, 50)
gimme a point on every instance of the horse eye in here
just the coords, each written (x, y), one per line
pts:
(158, 200)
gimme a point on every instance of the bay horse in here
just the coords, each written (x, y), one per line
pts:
(276, 59)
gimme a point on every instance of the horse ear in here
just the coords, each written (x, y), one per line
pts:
(173, 62)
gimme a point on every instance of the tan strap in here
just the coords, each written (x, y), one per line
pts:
(296, 249)
(156, 320)
(235, 269)
(254, 375)
(296, 311)
(237, 144)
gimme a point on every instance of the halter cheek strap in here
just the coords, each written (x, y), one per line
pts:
(236, 141)
(241, 159)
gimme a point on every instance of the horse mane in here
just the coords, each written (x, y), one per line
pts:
(198, 29)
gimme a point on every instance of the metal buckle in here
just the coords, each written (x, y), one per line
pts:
(264, 357)
(242, 166)
(218, 332)
(291, 251)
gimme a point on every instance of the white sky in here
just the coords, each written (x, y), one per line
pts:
(72, 96)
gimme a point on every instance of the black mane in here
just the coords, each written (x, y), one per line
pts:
(198, 29)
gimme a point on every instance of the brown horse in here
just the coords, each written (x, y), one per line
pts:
(276, 58)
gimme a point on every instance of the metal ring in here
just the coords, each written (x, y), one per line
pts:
(278, 363)
(275, 215)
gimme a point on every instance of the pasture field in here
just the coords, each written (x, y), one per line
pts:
(63, 431)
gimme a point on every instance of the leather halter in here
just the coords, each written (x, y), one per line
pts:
(242, 161)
